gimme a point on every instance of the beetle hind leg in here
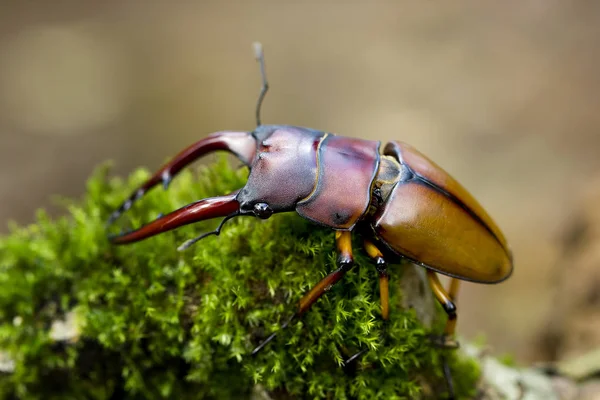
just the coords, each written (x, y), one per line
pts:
(446, 340)
(345, 262)
(453, 289)
(446, 300)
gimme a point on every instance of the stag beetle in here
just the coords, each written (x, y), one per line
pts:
(400, 201)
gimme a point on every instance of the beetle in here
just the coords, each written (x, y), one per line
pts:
(395, 197)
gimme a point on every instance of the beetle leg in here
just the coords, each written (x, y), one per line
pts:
(453, 290)
(241, 144)
(185, 245)
(446, 301)
(384, 278)
(447, 340)
(345, 261)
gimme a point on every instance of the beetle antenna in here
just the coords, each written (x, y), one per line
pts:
(259, 54)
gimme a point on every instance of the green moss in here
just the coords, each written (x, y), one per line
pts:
(158, 323)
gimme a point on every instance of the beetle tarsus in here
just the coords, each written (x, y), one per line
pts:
(185, 245)
(448, 377)
(264, 343)
(445, 342)
(355, 357)
(272, 335)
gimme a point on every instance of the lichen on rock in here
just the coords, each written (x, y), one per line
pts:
(157, 323)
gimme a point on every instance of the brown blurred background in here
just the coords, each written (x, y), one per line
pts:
(501, 94)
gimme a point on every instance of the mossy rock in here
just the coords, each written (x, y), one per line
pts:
(157, 323)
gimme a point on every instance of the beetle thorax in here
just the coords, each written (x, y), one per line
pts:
(284, 170)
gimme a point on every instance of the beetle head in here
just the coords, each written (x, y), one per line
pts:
(283, 171)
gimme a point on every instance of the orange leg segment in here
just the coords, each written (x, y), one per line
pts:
(446, 301)
(453, 290)
(345, 261)
(384, 278)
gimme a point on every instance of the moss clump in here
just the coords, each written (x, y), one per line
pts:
(157, 323)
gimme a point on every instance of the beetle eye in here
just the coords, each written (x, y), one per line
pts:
(262, 210)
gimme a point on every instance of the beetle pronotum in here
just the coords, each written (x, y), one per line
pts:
(401, 202)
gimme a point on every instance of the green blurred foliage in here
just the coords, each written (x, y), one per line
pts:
(158, 323)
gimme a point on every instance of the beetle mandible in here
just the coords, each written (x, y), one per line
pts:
(400, 201)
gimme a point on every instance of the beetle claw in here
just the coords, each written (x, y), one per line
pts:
(272, 335)
(355, 357)
(444, 342)
(264, 343)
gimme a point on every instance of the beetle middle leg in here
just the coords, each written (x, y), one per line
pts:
(377, 256)
(345, 261)
(384, 278)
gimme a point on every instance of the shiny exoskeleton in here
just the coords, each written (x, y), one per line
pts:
(400, 201)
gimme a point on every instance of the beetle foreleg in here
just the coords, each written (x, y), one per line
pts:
(345, 261)
(185, 245)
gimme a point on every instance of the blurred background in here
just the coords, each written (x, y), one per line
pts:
(503, 95)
